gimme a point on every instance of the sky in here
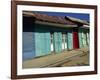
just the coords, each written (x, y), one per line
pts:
(75, 15)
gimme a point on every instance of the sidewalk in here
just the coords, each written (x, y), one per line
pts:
(53, 59)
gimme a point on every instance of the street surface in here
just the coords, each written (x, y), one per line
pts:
(77, 57)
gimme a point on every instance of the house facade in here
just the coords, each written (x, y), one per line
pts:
(45, 35)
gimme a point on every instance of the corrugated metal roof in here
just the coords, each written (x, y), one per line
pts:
(56, 19)
(77, 20)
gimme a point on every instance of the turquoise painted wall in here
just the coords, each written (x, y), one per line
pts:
(37, 42)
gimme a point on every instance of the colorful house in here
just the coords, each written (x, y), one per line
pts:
(44, 34)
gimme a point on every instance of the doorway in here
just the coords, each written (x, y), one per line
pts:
(75, 39)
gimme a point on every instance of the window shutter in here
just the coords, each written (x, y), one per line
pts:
(70, 40)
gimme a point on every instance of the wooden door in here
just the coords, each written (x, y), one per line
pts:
(75, 39)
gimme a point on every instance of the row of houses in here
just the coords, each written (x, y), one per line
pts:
(44, 34)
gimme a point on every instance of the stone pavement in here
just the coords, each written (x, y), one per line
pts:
(53, 60)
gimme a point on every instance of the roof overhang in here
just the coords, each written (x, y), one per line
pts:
(83, 22)
(56, 24)
(85, 27)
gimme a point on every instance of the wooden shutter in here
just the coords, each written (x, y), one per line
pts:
(84, 38)
(42, 42)
(80, 38)
(88, 38)
(38, 43)
(57, 42)
(70, 39)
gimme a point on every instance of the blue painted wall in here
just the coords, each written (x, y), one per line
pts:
(28, 45)
(28, 39)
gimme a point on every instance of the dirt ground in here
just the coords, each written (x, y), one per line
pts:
(79, 60)
(78, 57)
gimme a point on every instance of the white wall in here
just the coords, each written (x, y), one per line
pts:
(5, 35)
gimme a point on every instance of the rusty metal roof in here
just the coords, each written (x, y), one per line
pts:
(55, 19)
